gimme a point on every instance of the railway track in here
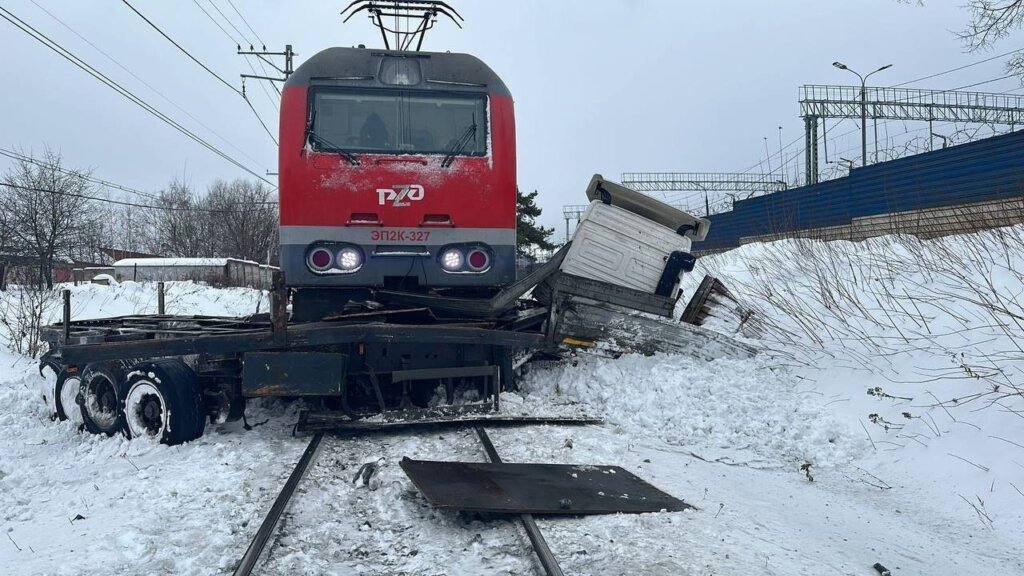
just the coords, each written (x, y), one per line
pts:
(335, 472)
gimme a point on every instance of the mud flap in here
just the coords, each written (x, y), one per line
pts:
(293, 373)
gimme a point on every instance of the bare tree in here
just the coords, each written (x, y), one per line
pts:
(245, 219)
(8, 252)
(178, 225)
(990, 22)
(47, 209)
(234, 220)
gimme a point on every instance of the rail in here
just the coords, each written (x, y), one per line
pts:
(266, 529)
(269, 524)
(547, 559)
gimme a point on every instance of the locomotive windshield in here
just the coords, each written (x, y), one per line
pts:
(391, 122)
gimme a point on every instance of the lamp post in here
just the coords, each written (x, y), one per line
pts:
(863, 108)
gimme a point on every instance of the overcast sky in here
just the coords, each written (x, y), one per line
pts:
(600, 86)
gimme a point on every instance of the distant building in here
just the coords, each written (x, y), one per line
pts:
(214, 271)
(115, 254)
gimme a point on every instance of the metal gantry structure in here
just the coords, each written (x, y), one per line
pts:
(662, 185)
(821, 102)
(706, 181)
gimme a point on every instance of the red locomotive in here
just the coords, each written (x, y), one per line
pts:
(398, 200)
(397, 171)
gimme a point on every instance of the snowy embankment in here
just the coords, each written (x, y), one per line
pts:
(922, 474)
(918, 344)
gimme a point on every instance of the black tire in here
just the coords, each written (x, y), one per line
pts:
(65, 390)
(163, 400)
(100, 397)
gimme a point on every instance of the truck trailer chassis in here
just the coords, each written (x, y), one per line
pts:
(399, 356)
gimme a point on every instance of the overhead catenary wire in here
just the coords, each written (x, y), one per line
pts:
(247, 25)
(230, 23)
(183, 50)
(69, 56)
(204, 67)
(246, 39)
(214, 20)
(237, 43)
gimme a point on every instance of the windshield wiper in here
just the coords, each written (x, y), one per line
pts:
(313, 137)
(331, 147)
(460, 145)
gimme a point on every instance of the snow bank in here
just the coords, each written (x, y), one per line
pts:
(894, 369)
(917, 343)
(75, 503)
(733, 410)
(186, 297)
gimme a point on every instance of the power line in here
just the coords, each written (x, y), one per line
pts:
(943, 73)
(935, 75)
(259, 59)
(214, 20)
(183, 51)
(144, 83)
(238, 44)
(22, 157)
(204, 67)
(106, 183)
(69, 56)
(262, 123)
(230, 23)
(132, 204)
(232, 4)
(830, 128)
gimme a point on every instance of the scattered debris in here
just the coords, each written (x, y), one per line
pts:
(806, 469)
(366, 473)
(12, 541)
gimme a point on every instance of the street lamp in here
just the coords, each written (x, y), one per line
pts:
(863, 108)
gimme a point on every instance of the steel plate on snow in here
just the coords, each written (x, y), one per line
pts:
(536, 488)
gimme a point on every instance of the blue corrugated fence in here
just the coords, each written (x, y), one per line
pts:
(990, 169)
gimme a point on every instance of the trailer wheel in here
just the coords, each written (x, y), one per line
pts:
(100, 397)
(163, 400)
(65, 391)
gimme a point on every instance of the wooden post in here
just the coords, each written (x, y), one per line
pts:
(67, 314)
(279, 308)
(160, 308)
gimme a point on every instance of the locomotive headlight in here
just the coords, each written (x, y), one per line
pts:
(451, 259)
(399, 71)
(349, 259)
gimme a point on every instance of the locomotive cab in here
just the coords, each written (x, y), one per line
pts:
(397, 171)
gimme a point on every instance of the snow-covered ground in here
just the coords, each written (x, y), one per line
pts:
(904, 475)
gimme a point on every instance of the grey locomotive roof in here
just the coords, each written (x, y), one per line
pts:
(441, 70)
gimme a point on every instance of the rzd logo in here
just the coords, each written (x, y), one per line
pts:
(400, 195)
